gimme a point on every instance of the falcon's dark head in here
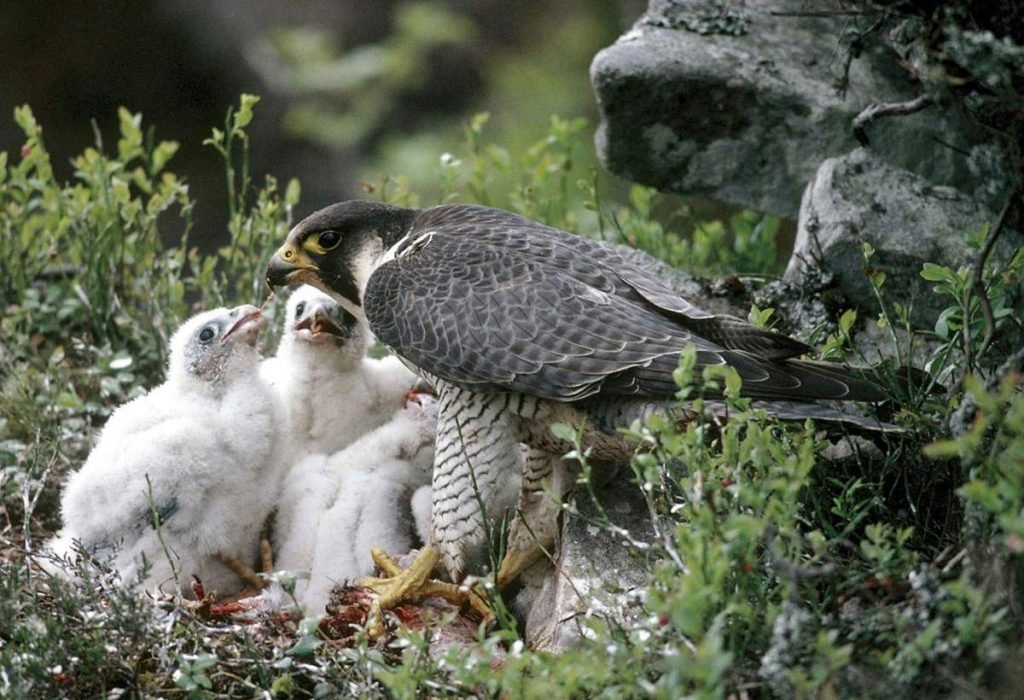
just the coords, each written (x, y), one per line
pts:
(337, 248)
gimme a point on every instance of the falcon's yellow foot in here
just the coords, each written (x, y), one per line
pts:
(517, 561)
(412, 585)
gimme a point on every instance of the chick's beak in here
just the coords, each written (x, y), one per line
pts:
(289, 266)
(321, 322)
(249, 320)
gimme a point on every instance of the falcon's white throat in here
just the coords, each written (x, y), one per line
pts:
(364, 262)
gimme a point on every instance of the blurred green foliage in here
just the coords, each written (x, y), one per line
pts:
(404, 100)
(547, 182)
(343, 99)
(97, 273)
(745, 244)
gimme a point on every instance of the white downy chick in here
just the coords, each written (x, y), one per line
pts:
(333, 393)
(377, 476)
(195, 456)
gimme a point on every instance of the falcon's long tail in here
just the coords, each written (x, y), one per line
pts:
(802, 410)
(809, 380)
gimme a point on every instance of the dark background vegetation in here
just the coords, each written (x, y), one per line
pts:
(182, 62)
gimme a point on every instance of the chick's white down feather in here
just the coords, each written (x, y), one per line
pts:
(333, 393)
(376, 477)
(196, 454)
(336, 399)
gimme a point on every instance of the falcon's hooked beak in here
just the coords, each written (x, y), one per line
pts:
(291, 265)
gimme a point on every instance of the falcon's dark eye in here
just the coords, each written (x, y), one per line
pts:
(329, 239)
(300, 309)
(207, 334)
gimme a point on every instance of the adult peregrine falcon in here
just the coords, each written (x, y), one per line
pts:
(520, 325)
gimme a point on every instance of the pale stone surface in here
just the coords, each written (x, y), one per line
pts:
(601, 572)
(858, 198)
(747, 117)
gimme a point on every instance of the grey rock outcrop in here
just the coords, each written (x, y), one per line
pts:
(743, 105)
(601, 574)
(858, 198)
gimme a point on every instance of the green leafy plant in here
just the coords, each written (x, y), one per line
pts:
(90, 237)
(257, 221)
(837, 345)
(191, 672)
(967, 328)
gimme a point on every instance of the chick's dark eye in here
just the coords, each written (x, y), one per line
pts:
(329, 239)
(207, 334)
(300, 309)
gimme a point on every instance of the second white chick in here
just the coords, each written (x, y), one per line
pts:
(376, 477)
(185, 474)
(333, 393)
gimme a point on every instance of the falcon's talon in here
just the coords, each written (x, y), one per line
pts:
(398, 584)
(412, 585)
(383, 561)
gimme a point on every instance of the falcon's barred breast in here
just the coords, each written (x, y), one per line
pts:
(520, 325)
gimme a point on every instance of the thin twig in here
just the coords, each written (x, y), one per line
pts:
(976, 284)
(854, 50)
(550, 556)
(791, 570)
(951, 146)
(158, 526)
(887, 109)
(979, 268)
(491, 537)
(666, 539)
(29, 503)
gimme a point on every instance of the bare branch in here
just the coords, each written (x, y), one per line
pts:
(887, 109)
(854, 50)
(976, 285)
